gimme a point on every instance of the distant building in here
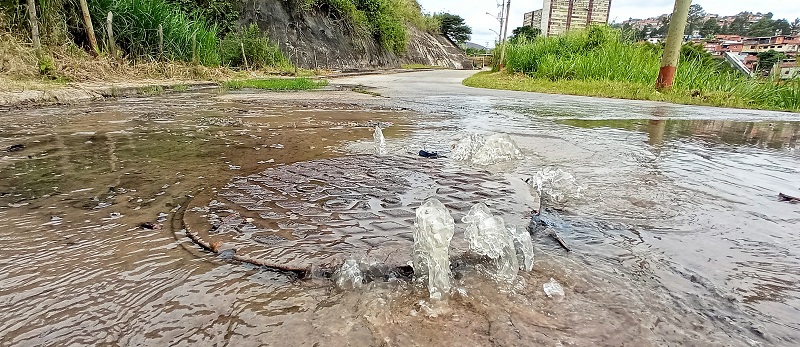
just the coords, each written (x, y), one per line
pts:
(789, 69)
(560, 16)
(533, 19)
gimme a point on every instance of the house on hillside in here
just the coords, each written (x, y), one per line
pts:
(788, 69)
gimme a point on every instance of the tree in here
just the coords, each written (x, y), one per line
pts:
(695, 19)
(768, 59)
(524, 33)
(782, 26)
(739, 24)
(710, 28)
(453, 26)
(763, 27)
(796, 26)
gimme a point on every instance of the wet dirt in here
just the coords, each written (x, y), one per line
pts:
(678, 240)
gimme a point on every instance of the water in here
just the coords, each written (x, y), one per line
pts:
(488, 237)
(433, 230)
(678, 238)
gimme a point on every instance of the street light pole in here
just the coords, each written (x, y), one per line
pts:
(672, 48)
(505, 33)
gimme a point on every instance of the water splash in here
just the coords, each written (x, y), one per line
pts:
(349, 275)
(433, 230)
(553, 289)
(380, 141)
(486, 150)
(524, 247)
(488, 236)
(555, 186)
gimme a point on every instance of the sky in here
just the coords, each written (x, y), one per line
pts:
(474, 12)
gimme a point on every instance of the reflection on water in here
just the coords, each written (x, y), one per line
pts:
(775, 135)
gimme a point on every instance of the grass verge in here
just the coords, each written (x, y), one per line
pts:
(276, 84)
(609, 89)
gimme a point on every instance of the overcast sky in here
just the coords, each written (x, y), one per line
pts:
(474, 12)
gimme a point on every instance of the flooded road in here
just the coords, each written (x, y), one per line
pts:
(678, 239)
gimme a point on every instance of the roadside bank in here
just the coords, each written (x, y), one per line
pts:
(609, 89)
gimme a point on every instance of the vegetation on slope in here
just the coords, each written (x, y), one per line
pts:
(598, 56)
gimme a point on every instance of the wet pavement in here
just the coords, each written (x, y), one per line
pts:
(679, 238)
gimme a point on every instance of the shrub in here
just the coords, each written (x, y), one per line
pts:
(260, 52)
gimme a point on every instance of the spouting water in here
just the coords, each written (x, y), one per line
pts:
(488, 236)
(433, 230)
(380, 141)
(349, 275)
(486, 150)
(556, 187)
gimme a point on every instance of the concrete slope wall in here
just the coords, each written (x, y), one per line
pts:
(316, 40)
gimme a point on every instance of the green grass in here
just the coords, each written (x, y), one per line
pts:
(584, 62)
(276, 84)
(610, 89)
(260, 52)
(136, 30)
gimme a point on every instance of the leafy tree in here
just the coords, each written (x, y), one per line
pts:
(783, 26)
(796, 25)
(710, 28)
(763, 27)
(695, 19)
(768, 59)
(525, 33)
(453, 26)
(739, 24)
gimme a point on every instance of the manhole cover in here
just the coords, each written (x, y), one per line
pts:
(318, 212)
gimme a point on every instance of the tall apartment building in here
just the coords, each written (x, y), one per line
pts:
(533, 19)
(560, 16)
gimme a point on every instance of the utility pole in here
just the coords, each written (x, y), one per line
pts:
(672, 48)
(505, 33)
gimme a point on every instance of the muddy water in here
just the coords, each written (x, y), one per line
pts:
(678, 240)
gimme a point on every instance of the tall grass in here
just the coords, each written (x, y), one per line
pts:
(260, 52)
(600, 54)
(136, 29)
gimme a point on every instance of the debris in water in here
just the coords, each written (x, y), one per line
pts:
(433, 230)
(553, 288)
(524, 247)
(276, 146)
(555, 186)
(150, 226)
(554, 234)
(786, 198)
(486, 150)
(380, 141)
(227, 254)
(488, 236)
(349, 275)
(15, 148)
(266, 161)
(433, 155)
(234, 167)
